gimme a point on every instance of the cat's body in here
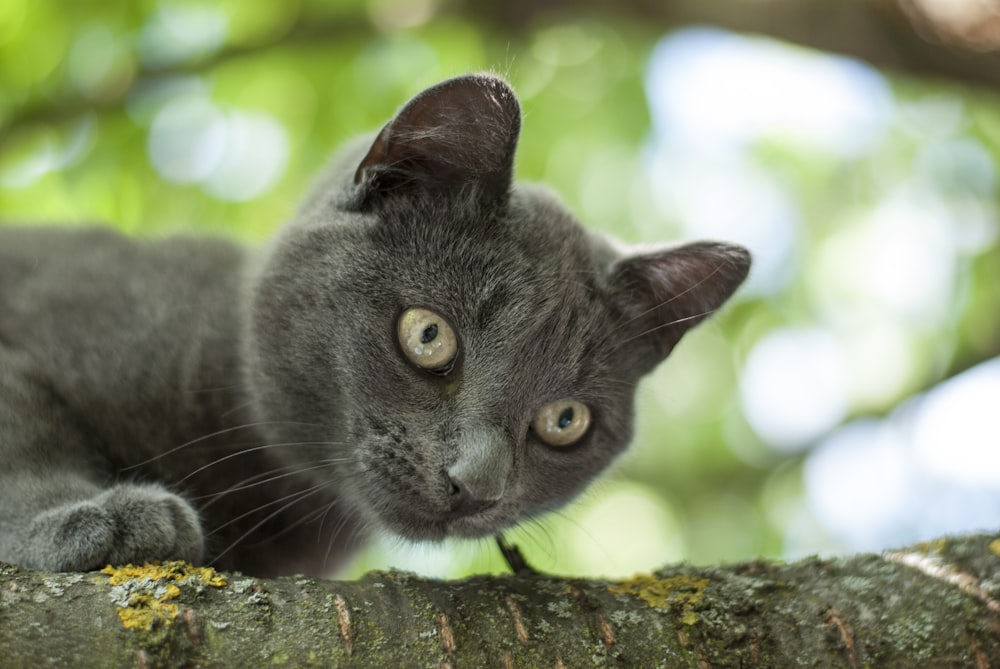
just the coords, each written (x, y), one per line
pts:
(114, 352)
(425, 348)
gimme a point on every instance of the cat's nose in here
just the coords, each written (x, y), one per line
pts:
(478, 477)
(466, 500)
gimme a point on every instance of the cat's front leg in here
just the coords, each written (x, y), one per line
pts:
(125, 523)
(57, 510)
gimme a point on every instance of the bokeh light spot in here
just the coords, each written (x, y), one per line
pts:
(794, 386)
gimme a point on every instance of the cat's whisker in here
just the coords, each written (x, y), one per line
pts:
(253, 449)
(348, 518)
(236, 409)
(616, 382)
(260, 507)
(305, 519)
(214, 389)
(358, 528)
(297, 497)
(269, 476)
(694, 286)
(533, 527)
(564, 515)
(217, 433)
(322, 523)
(319, 514)
(247, 482)
(669, 324)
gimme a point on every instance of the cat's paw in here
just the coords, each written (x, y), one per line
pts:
(126, 523)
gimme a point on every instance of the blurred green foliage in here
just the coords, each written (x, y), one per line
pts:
(82, 86)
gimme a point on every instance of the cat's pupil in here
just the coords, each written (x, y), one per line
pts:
(566, 418)
(429, 334)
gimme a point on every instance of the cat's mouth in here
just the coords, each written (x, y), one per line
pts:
(421, 526)
(474, 527)
(430, 508)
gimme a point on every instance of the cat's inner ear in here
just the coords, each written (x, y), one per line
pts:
(459, 132)
(665, 293)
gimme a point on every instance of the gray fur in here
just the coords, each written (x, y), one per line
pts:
(189, 398)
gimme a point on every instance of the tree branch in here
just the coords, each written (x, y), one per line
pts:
(935, 604)
(892, 34)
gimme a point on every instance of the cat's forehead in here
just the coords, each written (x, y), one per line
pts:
(528, 257)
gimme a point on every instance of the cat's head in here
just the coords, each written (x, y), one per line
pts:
(453, 352)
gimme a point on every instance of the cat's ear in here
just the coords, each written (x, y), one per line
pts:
(665, 293)
(461, 131)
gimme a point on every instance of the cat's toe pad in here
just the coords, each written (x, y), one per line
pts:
(73, 536)
(152, 524)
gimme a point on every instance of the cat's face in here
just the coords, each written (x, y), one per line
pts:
(461, 354)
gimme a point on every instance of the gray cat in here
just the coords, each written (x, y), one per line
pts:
(427, 348)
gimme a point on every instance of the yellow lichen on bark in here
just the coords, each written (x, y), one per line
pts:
(144, 611)
(683, 592)
(144, 594)
(935, 546)
(177, 570)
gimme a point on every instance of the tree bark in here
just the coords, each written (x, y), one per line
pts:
(931, 605)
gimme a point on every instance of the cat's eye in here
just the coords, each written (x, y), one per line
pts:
(427, 340)
(562, 423)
